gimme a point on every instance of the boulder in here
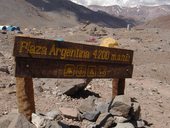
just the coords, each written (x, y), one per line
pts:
(120, 119)
(73, 87)
(21, 122)
(4, 122)
(104, 120)
(88, 105)
(52, 115)
(124, 125)
(91, 116)
(104, 106)
(15, 120)
(39, 121)
(140, 123)
(56, 124)
(69, 112)
(121, 106)
(135, 111)
(120, 109)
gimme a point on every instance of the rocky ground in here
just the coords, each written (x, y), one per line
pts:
(149, 86)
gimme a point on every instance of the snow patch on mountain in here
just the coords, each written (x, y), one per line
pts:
(126, 3)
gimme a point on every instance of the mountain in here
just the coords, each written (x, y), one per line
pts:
(139, 13)
(160, 22)
(52, 13)
(123, 3)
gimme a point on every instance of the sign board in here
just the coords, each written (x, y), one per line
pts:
(43, 68)
(44, 58)
(51, 49)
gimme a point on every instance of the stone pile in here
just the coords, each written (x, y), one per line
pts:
(96, 31)
(122, 112)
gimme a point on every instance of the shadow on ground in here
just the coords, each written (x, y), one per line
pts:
(84, 94)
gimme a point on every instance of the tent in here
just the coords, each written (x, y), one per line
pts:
(109, 42)
(13, 28)
(2, 27)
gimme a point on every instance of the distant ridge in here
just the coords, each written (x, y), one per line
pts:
(139, 13)
(160, 22)
(53, 13)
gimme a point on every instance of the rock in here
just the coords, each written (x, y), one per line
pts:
(69, 112)
(52, 115)
(91, 116)
(88, 124)
(1, 55)
(4, 122)
(2, 85)
(140, 123)
(63, 97)
(21, 122)
(121, 106)
(136, 39)
(97, 31)
(59, 93)
(89, 87)
(12, 92)
(39, 89)
(124, 125)
(120, 109)
(120, 119)
(102, 107)
(56, 124)
(88, 105)
(15, 120)
(11, 84)
(154, 69)
(73, 87)
(43, 122)
(4, 69)
(39, 121)
(155, 90)
(5, 113)
(91, 126)
(104, 120)
(123, 98)
(135, 112)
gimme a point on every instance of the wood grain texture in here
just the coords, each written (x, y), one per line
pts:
(44, 68)
(51, 49)
(25, 96)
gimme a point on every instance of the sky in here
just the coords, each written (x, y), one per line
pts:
(122, 2)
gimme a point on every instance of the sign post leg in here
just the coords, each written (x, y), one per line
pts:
(25, 96)
(118, 87)
(115, 87)
(121, 86)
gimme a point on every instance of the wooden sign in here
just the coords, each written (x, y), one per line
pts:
(43, 58)
(42, 68)
(51, 49)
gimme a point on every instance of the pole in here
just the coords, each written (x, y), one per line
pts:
(25, 96)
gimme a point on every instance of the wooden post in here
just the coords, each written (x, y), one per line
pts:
(25, 96)
(115, 87)
(121, 86)
(118, 87)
